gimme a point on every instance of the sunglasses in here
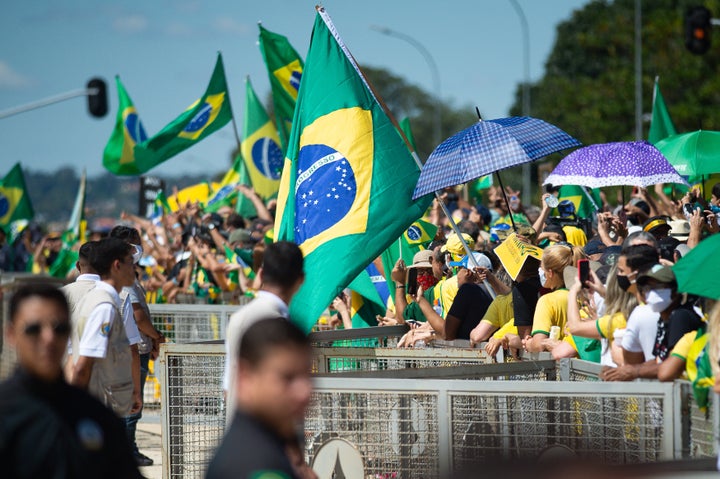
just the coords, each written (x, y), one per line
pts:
(59, 329)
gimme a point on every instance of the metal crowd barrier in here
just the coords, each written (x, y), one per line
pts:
(427, 418)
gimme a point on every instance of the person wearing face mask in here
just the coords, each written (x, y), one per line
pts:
(551, 308)
(425, 278)
(133, 298)
(677, 317)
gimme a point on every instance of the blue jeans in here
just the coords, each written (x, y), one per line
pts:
(132, 420)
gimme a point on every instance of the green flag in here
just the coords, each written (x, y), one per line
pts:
(15, 202)
(346, 192)
(75, 230)
(261, 147)
(161, 204)
(285, 68)
(202, 118)
(698, 368)
(586, 202)
(119, 154)
(244, 206)
(661, 125)
(405, 127)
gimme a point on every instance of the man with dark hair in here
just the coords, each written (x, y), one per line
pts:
(133, 298)
(105, 363)
(272, 389)
(281, 276)
(48, 428)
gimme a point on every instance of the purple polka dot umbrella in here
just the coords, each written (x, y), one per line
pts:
(631, 163)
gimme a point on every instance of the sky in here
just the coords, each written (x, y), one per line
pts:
(164, 52)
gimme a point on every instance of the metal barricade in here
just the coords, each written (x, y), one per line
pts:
(185, 323)
(418, 422)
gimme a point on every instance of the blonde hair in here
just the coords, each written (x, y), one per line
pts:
(559, 256)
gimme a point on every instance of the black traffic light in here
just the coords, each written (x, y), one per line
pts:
(97, 97)
(698, 29)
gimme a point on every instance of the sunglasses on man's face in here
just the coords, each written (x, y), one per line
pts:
(34, 329)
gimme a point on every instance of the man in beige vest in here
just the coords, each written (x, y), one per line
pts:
(101, 350)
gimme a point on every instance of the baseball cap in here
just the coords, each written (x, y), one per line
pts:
(239, 236)
(482, 261)
(594, 246)
(454, 246)
(658, 272)
(422, 259)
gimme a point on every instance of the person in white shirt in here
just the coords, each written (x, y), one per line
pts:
(102, 353)
(281, 276)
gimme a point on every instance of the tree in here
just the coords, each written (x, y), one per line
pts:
(589, 81)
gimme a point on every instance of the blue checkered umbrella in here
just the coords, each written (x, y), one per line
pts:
(487, 147)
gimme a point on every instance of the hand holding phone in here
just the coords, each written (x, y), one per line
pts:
(583, 266)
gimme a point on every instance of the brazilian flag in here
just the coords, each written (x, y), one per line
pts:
(205, 116)
(261, 147)
(407, 130)
(346, 188)
(285, 68)
(119, 153)
(698, 368)
(15, 203)
(586, 201)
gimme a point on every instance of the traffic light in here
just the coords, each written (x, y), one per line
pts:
(698, 29)
(97, 97)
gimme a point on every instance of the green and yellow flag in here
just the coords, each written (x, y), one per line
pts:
(15, 203)
(587, 201)
(285, 68)
(77, 225)
(261, 147)
(346, 189)
(661, 125)
(202, 118)
(119, 154)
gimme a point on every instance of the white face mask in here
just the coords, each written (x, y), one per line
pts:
(137, 253)
(541, 275)
(659, 299)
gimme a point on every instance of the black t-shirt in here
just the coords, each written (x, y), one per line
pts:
(469, 307)
(525, 297)
(248, 450)
(59, 431)
(682, 320)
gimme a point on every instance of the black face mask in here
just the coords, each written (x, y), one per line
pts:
(623, 282)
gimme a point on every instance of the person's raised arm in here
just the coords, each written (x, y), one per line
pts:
(262, 211)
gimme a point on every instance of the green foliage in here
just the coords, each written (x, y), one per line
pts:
(588, 88)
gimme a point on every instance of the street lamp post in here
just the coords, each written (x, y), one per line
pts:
(527, 184)
(433, 70)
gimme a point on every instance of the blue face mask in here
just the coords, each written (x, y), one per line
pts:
(541, 275)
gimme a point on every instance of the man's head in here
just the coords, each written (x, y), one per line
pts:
(126, 233)
(112, 258)
(39, 327)
(657, 226)
(273, 374)
(633, 261)
(282, 266)
(658, 287)
(84, 254)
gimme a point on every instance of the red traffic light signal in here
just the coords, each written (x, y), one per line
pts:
(698, 28)
(97, 97)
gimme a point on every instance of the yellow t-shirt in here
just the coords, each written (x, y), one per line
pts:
(551, 310)
(500, 310)
(507, 328)
(448, 290)
(607, 325)
(682, 347)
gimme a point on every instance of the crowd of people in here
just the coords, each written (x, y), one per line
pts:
(625, 312)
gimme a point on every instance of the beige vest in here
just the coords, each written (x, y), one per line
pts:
(75, 292)
(111, 378)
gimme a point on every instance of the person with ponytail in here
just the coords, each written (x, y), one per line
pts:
(551, 309)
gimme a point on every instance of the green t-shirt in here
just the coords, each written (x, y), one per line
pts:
(413, 310)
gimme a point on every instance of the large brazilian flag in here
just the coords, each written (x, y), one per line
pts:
(15, 202)
(346, 189)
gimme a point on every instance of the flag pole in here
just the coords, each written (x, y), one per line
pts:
(400, 247)
(232, 114)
